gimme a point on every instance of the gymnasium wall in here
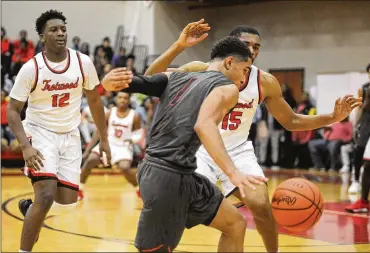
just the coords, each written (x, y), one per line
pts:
(91, 20)
(320, 36)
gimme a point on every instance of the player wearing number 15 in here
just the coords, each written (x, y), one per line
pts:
(52, 82)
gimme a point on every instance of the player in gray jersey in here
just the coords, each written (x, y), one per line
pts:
(190, 109)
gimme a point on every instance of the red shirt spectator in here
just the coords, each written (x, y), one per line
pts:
(339, 131)
(23, 53)
(23, 37)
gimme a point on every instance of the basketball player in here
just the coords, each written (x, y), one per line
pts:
(362, 205)
(121, 121)
(191, 106)
(259, 87)
(362, 135)
(52, 82)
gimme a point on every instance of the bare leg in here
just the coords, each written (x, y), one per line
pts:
(232, 225)
(259, 204)
(44, 197)
(91, 162)
(128, 172)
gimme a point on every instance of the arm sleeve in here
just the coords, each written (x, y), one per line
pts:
(149, 85)
(24, 82)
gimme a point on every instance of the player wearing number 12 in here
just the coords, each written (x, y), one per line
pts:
(53, 82)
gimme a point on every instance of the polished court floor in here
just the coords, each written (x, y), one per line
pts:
(105, 221)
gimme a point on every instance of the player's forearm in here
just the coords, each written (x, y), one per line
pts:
(15, 124)
(211, 139)
(93, 142)
(300, 122)
(162, 62)
(97, 112)
(148, 85)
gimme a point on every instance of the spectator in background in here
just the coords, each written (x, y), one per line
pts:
(76, 43)
(7, 51)
(23, 37)
(100, 61)
(301, 138)
(39, 47)
(22, 54)
(85, 48)
(130, 64)
(7, 136)
(335, 136)
(120, 60)
(106, 48)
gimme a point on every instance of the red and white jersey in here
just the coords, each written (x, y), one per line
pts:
(54, 90)
(119, 128)
(235, 126)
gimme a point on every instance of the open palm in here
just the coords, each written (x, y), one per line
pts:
(193, 33)
(343, 107)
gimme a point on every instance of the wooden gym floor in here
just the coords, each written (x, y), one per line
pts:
(105, 221)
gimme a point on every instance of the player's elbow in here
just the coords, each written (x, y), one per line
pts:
(202, 126)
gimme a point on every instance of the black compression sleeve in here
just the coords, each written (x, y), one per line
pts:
(148, 85)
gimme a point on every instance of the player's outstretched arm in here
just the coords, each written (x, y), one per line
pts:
(121, 79)
(218, 103)
(292, 121)
(192, 34)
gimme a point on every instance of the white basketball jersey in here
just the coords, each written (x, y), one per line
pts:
(119, 127)
(54, 103)
(235, 126)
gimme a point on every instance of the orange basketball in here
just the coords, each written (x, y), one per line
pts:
(297, 204)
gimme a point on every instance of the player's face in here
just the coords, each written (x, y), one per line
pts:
(237, 71)
(55, 35)
(253, 42)
(122, 100)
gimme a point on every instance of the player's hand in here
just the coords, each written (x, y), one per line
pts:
(242, 180)
(117, 79)
(344, 106)
(104, 147)
(33, 158)
(193, 33)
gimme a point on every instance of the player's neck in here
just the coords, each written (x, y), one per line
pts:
(56, 56)
(123, 111)
(214, 66)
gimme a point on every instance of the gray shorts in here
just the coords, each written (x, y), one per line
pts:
(363, 130)
(172, 202)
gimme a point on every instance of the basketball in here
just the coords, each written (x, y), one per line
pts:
(297, 204)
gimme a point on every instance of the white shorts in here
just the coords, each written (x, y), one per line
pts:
(118, 153)
(62, 153)
(367, 151)
(244, 159)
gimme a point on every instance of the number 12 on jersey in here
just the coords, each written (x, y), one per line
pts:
(231, 120)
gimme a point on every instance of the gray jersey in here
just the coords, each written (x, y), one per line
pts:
(173, 141)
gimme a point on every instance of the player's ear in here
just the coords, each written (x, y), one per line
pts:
(227, 62)
(42, 38)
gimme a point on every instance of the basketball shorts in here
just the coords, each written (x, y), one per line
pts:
(367, 151)
(62, 154)
(118, 153)
(244, 159)
(172, 202)
(363, 129)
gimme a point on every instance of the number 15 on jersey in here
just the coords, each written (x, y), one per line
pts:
(231, 120)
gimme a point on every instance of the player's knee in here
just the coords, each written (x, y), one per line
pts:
(236, 225)
(124, 165)
(45, 199)
(260, 206)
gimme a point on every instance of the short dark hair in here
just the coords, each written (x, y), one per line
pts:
(368, 68)
(230, 46)
(45, 17)
(237, 31)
